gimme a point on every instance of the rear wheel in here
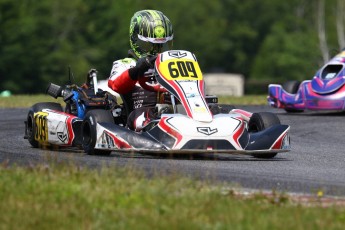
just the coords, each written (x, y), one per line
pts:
(30, 120)
(261, 121)
(89, 130)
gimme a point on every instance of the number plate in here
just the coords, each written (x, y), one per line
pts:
(41, 132)
(180, 69)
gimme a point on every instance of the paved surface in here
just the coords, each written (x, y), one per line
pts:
(316, 162)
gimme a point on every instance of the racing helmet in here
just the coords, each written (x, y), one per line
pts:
(150, 32)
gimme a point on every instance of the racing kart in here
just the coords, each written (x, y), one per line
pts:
(194, 124)
(325, 92)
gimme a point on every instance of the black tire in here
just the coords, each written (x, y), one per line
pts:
(30, 121)
(291, 86)
(293, 110)
(89, 132)
(261, 121)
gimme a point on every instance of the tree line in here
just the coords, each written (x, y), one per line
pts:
(266, 41)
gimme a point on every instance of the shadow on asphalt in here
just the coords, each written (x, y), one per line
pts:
(209, 157)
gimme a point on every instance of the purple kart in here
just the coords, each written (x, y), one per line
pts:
(325, 92)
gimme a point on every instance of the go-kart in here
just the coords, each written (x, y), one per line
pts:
(325, 92)
(195, 124)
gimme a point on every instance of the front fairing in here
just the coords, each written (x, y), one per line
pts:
(178, 71)
(226, 133)
(279, 98)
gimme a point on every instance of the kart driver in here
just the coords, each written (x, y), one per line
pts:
(150, 33)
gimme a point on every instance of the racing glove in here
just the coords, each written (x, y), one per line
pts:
(143, 65)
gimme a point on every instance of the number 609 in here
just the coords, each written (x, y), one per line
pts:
(182, 69)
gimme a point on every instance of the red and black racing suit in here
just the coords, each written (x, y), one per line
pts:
(141, 103)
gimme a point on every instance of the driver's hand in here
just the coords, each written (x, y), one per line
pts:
(146, 63)
(143, 64)
(150, 60)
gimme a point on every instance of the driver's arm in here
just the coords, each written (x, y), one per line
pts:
(120, 80)
(122, 83)
(124, 75)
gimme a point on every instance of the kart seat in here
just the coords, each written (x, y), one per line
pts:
(127, 104)
(330, 71)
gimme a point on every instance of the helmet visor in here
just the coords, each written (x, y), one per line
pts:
(154, 47)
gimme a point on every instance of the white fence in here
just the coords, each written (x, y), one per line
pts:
(224, 84)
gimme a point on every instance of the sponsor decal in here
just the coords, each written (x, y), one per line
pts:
(207, 130)
(177, 54)
(107, 141)
(190, 95)
(62, 136)
(113, 73)
(199, 109)
(138, 103)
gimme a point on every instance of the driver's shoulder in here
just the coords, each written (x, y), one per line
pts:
(121, 65)
(125, 61)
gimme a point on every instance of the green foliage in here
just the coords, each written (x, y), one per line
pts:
(287, 56)
(268, 39)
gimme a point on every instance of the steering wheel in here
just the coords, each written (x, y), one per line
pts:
(155, 87)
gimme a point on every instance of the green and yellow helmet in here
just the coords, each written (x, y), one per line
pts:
(150, 32)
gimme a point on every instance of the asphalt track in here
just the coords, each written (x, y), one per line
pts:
(315, 163)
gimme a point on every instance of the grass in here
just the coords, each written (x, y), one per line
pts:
(25, 101)
(244, 100)
(71, 197)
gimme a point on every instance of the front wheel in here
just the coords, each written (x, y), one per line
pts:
(261, 121)
(89, 130)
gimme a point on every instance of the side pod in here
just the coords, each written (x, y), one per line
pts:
(275, 137)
